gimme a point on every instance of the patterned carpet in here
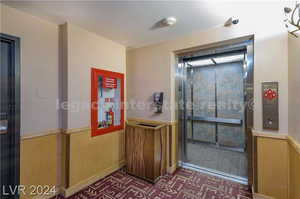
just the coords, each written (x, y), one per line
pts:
(183, 184)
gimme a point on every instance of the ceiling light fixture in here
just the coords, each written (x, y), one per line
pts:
(292, 20)
(163, 23)
(201, 62)
(169, 21)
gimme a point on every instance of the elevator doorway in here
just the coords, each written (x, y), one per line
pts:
(214, 89)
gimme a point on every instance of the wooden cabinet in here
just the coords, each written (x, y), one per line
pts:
(146, 150)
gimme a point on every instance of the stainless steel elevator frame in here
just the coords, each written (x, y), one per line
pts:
(238, 44)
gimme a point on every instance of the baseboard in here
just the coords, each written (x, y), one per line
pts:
(172, 169)
(83, 184)
(261, 196)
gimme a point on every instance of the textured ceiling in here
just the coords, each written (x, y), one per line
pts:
(131, 22)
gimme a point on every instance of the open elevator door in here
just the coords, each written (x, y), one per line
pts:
(215, 93)
(214, 120)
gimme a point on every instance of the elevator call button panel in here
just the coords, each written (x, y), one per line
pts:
(270, 105)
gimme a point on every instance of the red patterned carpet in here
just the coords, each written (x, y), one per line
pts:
(183, 184)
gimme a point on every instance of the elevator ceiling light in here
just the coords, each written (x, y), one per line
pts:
(202, 62)
(228, 59)
(217, 60)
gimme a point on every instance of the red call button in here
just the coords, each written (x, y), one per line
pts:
(270, 94)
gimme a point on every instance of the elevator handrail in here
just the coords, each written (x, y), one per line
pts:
(216, 120)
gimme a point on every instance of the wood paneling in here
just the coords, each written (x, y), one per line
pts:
(89, 156)
(294, 166)
(39, 162)
(173, 147)
(65, 159)
(272, 167)
(278, 165)
(146, 151)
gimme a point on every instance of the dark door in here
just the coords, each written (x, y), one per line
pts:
(9, 117)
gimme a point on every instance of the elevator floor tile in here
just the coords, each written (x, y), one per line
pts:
(207, 156)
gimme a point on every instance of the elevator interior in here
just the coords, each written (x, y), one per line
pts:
(215, 93)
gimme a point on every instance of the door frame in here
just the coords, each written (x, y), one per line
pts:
(15, 106)
(215, 48)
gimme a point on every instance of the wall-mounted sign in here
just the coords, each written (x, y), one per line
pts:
(107, 99)
(270, 105)
(109, 82)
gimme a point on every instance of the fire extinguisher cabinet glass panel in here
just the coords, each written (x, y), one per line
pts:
(107, 111)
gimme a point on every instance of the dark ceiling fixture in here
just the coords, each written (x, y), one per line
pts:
(231, 21)
(292, 20)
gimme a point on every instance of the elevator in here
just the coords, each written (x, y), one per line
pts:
(214, 89)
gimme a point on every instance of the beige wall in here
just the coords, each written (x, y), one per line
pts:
(294, 87)
(89, 158)
(294, 116)
(151, 68)
(39, 93)
(87, 50)
(39, 68)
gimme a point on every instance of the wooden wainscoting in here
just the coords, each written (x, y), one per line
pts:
(39, 162)
(272, 164)
(173, 147)
(294, 168)
(277, 165)
(74, 160)
(88, 159)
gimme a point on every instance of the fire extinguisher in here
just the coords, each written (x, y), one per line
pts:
(110, 117)
(111, 113)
